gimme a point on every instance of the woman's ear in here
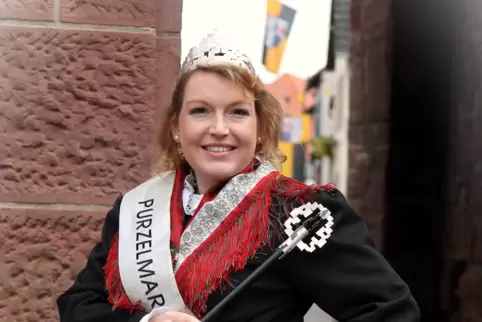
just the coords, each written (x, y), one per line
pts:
(175, 134)
(175, 130)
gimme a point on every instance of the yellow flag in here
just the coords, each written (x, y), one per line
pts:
(278, 25)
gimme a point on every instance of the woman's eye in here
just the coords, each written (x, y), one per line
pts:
(240, 111)
(198, 110)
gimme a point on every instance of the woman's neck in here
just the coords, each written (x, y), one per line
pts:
(205, 184)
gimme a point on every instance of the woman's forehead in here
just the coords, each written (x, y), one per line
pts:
(213, 88)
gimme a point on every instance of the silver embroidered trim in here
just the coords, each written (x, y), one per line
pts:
(215, 49)
(214, 212)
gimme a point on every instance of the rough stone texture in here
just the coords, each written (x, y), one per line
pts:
(26, 9)
(168, 56)
(469, 290)
(424, 190)
(465, 177)
(40, 253)
(167, 21)
(76, 110)
(477, 249)
(434, 174)
(139, 13)
(369, 110)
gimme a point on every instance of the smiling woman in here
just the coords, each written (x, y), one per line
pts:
(175, 246)
(220, 117)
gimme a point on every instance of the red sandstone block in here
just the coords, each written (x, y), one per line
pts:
(168, 56)
(374, 15)
(469, 294)
(478, 240)
(356, 16)
(41, 253)
(372, 135)
(26, 9)
(359, 172)
(461, 235)
(139, 13)
(76, 109)
(358, 73)
(169, 16)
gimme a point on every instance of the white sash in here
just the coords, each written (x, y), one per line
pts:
(145, 263)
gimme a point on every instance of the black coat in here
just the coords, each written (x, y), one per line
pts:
(347, 278)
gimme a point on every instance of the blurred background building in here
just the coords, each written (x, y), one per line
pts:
(380, 97)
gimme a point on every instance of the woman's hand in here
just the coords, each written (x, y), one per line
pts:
(174, 317)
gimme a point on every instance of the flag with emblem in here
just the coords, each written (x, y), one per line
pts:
(279, 20)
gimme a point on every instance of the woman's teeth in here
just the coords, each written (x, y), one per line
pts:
(218, 149)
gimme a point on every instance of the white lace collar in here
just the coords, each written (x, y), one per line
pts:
(190, 199)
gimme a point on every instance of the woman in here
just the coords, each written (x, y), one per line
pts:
(174, 246)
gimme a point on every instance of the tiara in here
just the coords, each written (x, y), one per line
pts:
(215, 49)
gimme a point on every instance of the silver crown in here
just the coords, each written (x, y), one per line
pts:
(215, 49)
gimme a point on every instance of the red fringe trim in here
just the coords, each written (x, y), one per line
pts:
(242, 233)
(117, 295)
(238, 238)
(289, 188)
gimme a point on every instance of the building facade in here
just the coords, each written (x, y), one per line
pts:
(414, 133)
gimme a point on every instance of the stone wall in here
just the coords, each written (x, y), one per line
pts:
(369, 110)
(415, 145)
(463, 247)
(80, 85)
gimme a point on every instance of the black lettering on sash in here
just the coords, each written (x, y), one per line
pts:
(143, 244)
(148, 235)
(150, 286)
(147, 203)
(142, 223)
(149, 213)
(138, 254)
(142, 269)
(142, 230)
(154, 300)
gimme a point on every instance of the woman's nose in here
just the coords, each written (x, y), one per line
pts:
(219, 126)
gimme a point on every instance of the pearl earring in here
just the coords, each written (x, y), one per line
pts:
(259, 139)
(176, 138)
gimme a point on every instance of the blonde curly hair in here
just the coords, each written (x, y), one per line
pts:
(268, 111)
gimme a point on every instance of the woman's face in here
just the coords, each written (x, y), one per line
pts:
(217, 128)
